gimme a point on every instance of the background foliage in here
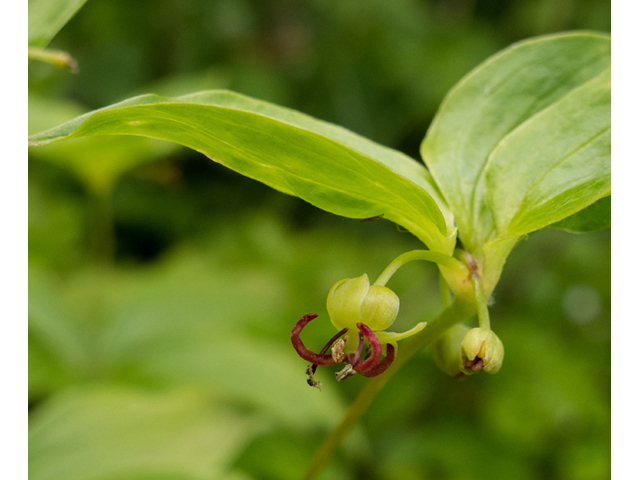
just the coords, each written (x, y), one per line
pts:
(163, 286)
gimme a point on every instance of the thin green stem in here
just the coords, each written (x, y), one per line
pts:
(445, 292)
(429, 256)
(481, 301)
(456, 312)
(56, 58)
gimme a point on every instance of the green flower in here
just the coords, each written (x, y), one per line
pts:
(482, 350)
(361, 312)
(446, 350)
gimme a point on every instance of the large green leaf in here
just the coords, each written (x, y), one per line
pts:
(493, 124)
(323, 164)
(47, 17)
(555, 164)
(97, 161)
(594, 217)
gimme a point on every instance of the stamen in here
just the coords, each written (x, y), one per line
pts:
(337, 351)
(474, 365)
(333, 340)
(376, 349)
(383, 365)
(346, 372)
(303, 351)
(355, 358)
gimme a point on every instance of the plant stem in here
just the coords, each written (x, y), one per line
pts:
(56, 58)
(429, 256)
(481, 301)
(456, 312)
(445, 292)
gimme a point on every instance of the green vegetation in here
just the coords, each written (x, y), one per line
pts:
(163, 287)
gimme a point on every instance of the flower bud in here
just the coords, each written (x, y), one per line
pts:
(353, 301)
(446, 350)
(482, 350)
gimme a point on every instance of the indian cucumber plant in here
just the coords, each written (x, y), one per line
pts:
(521, 143)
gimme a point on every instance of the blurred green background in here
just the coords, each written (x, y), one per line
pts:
(162, 287)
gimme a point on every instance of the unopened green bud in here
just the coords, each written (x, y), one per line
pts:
(482, 350)
(446, 350)
(353, 300)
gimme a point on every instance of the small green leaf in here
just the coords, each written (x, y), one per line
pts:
(323, 164)
(595, 217)
(47, 17)
(492, 123)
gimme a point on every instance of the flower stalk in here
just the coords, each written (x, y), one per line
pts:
(458, 311)
(427, 255)
(362, 312)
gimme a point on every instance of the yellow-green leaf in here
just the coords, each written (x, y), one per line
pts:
(323, 164)
(501, 147)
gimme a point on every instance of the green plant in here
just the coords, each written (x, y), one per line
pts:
(520, 144)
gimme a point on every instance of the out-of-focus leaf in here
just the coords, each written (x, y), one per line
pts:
(57, 223)
(491, 127)
(188, 322)
(57, 354)
(98, 162)
(189, 326)
(595, 217)
(265, 376)
(178, 84)
(116, 433)
(569, 398)
(47, 17)
(587, 460)
(432, 448)
(325, 165)
(264, 457)
(46, 112)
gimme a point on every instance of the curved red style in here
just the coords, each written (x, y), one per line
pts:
(383, 365)
(376, 350)
(303, 351)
